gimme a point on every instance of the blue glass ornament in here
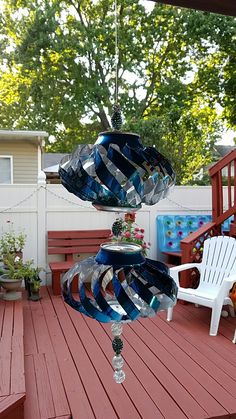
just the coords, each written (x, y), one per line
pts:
(123, 285)
(117, 172)
(118, 285)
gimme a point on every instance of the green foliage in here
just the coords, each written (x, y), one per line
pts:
(17, 269)
(11, 242)
(187, 142)
(57, 67)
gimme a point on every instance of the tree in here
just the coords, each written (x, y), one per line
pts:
(58, 70)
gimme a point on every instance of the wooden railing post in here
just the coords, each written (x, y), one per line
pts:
(186, 257)
(217, 195)
(192, 245)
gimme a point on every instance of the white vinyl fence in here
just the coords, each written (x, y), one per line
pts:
(35, 209)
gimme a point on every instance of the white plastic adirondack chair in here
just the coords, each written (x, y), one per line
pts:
(217, 275)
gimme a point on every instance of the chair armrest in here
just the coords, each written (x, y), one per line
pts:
(174, 271)
(226, 285)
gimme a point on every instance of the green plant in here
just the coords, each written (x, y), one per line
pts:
(11, 242)
(17, 269)
(126, 230)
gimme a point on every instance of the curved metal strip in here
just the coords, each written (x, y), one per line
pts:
(125, 302)
(144, 293)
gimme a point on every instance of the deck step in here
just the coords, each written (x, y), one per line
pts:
(12, 377)
(12, 407)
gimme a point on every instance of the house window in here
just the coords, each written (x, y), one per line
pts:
(6, 170)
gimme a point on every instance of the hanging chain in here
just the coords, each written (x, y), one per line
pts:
(116, 52)
(22, 201)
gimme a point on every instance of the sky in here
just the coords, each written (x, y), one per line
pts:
(227, 138)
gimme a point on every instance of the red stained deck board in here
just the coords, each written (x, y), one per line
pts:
(167, 378)
(31, 407)
(12, 379)
(148, 395)
(2, 310)
(189, 319)
(207, 351)
(64, 417)
(5, 364)
(18, 327)
(204, 315)
(17, 365)
(76, 395)
(7, 327)
(202, 354)
(91, 381)
(42, 335)
(30, 345)
(58, 392)
(46, 405)
(102, 365)
(11, 406)
(2, 398)
(159, 357)
(225, 326)
(208, 393)
(44, 345)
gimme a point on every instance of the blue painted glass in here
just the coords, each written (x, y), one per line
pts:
(117, 172)
(140, 289)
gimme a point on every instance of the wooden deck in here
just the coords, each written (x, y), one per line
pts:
(173, 370)
(12, 379)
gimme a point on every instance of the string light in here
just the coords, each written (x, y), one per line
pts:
(17, 204)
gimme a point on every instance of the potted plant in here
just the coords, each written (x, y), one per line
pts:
(11, 280)
(12, 242)
(17, 271)
(126, 230)
(32, 280)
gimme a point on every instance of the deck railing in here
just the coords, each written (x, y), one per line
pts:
(223, 207)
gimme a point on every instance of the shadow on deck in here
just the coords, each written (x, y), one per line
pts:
(173, 370)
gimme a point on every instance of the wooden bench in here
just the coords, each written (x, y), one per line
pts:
(71, 244)
(12, 375)
(172, 258)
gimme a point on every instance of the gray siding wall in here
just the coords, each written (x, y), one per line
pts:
(25, 160)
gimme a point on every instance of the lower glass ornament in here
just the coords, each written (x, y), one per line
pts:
(120, 285)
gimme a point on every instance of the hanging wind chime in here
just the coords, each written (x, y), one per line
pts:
(118, 173)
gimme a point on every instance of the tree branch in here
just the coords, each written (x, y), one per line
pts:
(146, 102)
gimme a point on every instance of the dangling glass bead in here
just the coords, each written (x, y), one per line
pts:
(119, 376)
(117, 346)
(116, 329)
(117, 362)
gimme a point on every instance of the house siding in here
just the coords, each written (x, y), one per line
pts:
(25, 160)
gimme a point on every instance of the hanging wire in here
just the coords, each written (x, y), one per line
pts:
(116, 52)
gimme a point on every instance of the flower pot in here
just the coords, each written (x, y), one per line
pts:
(11, 286)
(33, 289)
(34, 296)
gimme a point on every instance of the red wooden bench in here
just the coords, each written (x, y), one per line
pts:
(71, 244)
(12, 375)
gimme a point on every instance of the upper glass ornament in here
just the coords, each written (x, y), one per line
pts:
(117, 172)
